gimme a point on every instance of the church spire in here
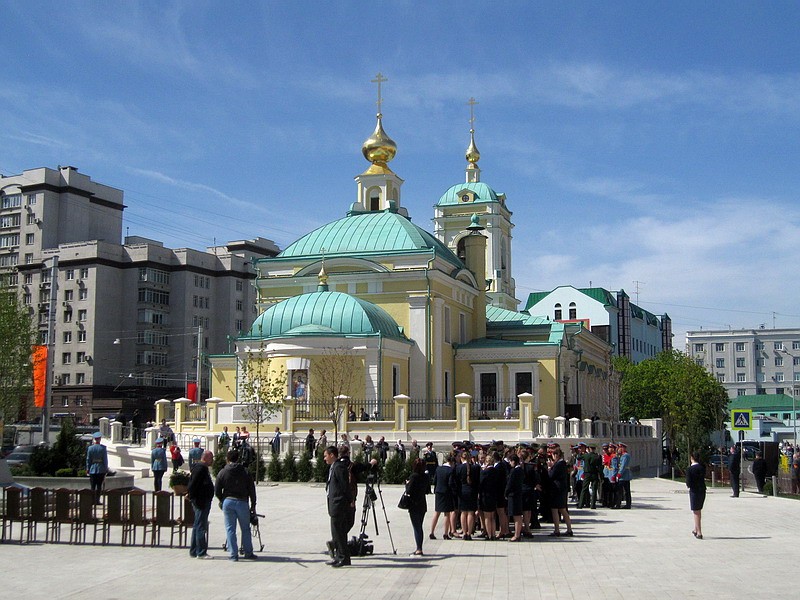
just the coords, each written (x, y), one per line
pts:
(472, 155)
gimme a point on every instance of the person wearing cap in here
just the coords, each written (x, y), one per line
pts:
(623, 476)
(97, 464)
(607, 488)
(431, 461)
(201, 495)
(158, 463)
(195, 453)
(592, 465)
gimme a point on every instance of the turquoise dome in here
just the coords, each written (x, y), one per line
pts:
(483, 193)
(371, 233)
(324, 313)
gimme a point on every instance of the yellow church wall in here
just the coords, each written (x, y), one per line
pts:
(223, 383)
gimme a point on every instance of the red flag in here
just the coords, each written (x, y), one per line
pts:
(191, 392)
(39, 357)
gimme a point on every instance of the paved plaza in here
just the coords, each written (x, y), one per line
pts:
(647, 552)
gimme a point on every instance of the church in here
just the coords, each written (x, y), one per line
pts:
(373, 308)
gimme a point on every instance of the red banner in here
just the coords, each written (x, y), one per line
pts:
(191, 392)
(39, 357)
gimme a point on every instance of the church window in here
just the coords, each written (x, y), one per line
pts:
(488, 401)
(573, 311)
(557, 313)
(462, 327)
(374, 203)
(395, 380)
(446, 319)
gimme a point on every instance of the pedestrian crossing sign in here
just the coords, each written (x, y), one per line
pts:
(741, 420)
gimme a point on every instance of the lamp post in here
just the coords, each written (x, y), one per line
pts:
(795, 391)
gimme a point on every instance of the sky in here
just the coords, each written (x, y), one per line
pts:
(645, 146)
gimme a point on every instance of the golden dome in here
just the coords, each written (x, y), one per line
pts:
(379, 148)
(472, 155)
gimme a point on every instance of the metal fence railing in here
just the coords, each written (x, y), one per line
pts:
(428, 409)
(354, 409)
(489, 407)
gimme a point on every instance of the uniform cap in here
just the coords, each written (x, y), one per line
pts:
(97, 435)
(196, 440)
(159, 440)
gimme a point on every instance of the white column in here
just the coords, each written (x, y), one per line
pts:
(417, 329)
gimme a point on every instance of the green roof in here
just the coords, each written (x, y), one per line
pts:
(501, 316)
(483, 193)
(371, 233)
(762, 402)
(323, 314)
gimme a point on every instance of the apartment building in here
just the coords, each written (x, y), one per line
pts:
(749, 361)
(128, 315)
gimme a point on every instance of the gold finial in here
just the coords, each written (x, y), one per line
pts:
(472, 155)
(323, 276)
(379, 148)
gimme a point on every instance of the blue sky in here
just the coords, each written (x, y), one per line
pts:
(645, 142)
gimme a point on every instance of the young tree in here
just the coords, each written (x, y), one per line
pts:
(16, 339)
(671, 386)
(334, 375)
(262, 390)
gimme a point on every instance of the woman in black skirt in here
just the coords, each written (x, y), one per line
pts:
(559, 490)
(468, 476)
(696, 482)
(445, 502)
(514, 495)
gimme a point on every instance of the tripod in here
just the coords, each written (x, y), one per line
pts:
(363, 544)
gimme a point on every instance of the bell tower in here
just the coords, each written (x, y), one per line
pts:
(452, 220)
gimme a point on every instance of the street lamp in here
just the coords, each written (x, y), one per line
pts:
(795, 391)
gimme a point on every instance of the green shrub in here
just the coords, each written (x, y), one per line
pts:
(67, 452)
(305, 471)
(262, 469)
(396, 470)
(768, 488)
(321, 469)
(65, 473)
(289, 467)
(219, 461)
(275, 469)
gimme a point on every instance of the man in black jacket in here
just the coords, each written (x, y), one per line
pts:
(341, 503)
(760, 471)
(201, 494)
(734, 466)
(234, 488)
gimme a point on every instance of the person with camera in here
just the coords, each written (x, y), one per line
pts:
(236, 492)
(417, 487)
(342, 489)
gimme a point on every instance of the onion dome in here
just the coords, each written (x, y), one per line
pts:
(379, 148)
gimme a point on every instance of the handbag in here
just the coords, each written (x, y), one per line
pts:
(405, 501)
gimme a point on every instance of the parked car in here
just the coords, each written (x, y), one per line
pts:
(21, 455)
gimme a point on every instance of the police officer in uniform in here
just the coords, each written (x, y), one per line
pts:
(97, 465)
(431, 461)
(196, 453)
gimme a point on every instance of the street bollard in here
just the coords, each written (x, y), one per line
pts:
(713, 479)
(775, 485)
(673, 473)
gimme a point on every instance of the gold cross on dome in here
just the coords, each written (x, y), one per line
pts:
(472, 102)
(379, 79)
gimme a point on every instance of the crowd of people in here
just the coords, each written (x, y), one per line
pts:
(505, 493)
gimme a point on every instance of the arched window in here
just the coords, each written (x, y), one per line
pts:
(461, 251)
(573, 311)
(557, 312)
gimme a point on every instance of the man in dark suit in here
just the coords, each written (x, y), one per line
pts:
(734, 466)
(341, 504)
(201, 495)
